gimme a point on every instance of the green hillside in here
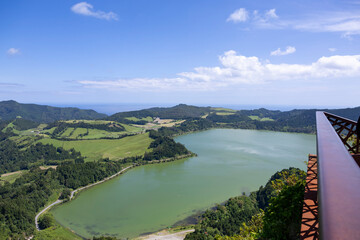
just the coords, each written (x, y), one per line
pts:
(180, 111)
(105, 148)
(44, 114)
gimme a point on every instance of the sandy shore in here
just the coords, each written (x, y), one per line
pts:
(166, 235)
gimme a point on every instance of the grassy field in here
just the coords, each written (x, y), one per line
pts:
(22, 140)
(260, 119)
(223, 109)
(67, 132)
(89, 121)
(56, 232)
(95, 133)
(27, 132)
(74, 133)
(105, 148)
(135, 119)
(10, 125)
(224, 113)
(11, 177)
(50, 131)
(132, 129)
(78, 131)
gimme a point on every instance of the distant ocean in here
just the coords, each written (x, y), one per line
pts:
(124, 107)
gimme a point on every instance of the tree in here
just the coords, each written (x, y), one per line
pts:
(46, 221)
(65, 193)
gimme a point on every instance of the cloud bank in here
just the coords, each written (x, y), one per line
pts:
(237, 70)
(86, 9)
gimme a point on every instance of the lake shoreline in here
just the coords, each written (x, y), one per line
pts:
(77, 191)
(210, 142)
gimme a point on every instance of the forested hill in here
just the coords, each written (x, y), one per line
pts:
(297, 120)
(180, 111)
(350, 113)
(44, 114)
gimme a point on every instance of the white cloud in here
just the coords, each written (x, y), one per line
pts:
(347, 22)
(258, 19)
(84, 8)
(236, 70)
(240, 15)
(332, 49)
(271, 13)
(288, 50)
(13, 51)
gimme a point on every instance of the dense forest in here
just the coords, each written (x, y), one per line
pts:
(12, 158)
(272, 212)
(164, 147)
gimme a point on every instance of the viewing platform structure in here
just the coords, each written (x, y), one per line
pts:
(331, 208)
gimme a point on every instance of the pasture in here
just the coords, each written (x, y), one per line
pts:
(114, 149)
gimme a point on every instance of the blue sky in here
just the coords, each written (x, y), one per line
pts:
(221, 52)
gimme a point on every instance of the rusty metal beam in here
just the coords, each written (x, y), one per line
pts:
(310, 221)
(339, 185)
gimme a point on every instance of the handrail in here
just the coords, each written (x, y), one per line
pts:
(339, 185)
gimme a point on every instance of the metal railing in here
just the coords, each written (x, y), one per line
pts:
(338, 178)
(346, 130)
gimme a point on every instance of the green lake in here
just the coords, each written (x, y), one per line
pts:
(153, 197)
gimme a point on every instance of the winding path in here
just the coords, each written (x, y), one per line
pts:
(73, 192)
(42, 211)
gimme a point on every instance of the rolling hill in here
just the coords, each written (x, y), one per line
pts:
(10, 110)
(180, 111)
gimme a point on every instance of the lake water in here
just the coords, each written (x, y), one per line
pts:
(153, 197)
